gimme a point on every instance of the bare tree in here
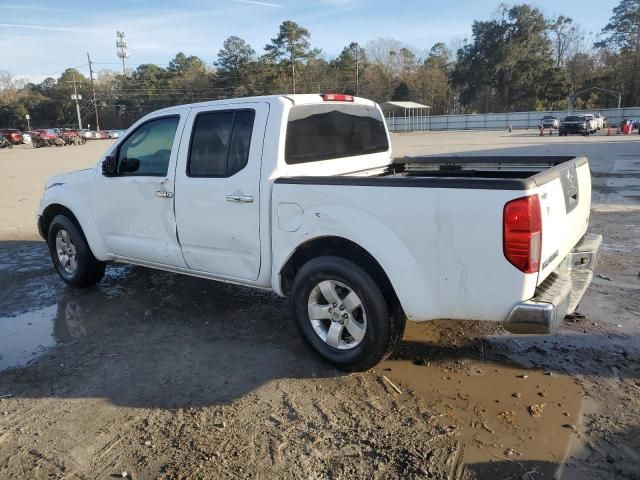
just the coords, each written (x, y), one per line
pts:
(566, 38)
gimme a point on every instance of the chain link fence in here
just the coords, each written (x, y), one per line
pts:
(498, 121)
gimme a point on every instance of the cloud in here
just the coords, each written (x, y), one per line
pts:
(45, 27)
(35, 8)
(255, 2)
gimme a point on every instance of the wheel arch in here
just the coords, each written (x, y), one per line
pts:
(49, 213)
(338, 247)
(95, 243)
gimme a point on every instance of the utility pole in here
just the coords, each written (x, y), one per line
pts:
(121, 45)
(93, 90)
(357, 68)
(76, 97)
(293, 72)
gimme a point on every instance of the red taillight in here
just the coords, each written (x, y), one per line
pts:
(522, 233)
(337, 97)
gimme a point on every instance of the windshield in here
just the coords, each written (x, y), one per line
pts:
(574, 119)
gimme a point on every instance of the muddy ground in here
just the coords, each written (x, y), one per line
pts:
(165, 376)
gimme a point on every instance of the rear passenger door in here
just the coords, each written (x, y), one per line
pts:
(218, 190)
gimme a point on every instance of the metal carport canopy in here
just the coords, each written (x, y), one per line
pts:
(404, 105)
(413, 111)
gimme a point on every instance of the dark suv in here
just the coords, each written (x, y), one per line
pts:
(574, 124)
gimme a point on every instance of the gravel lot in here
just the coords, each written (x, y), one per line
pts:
(165, 376)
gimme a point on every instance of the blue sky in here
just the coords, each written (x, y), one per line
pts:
(40, 39)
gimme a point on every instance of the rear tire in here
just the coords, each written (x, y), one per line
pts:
(72, 258)
(343, 315)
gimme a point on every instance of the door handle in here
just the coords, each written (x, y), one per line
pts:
(240, 198)
(164, 194)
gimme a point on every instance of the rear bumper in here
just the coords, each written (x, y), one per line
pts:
(560, 292)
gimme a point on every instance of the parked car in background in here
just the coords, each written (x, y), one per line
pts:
(89, 134)
(38, 140)
(599, 121)
(115, 133)
(72, 137)
(550, 121)
(591, 122)
(12, 135)
(574, 124)
(4, 143)
(47, 133)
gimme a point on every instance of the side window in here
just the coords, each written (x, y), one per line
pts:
(148, 150)
(220, 143)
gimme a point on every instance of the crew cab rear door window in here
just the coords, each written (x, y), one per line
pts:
(220, 143)
(327, 131)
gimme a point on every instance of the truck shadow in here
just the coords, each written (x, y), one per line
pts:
(145, 338)
(149, 339)
(141, 338)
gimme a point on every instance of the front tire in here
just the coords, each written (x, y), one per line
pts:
(72, 258)
(342, 313)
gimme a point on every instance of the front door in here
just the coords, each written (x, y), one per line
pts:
(135, 207)
(218, 190)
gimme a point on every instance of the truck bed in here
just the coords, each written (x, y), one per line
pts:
(444, 215)
(493, 173)
(532, 169)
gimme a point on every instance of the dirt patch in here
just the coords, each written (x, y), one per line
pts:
(504, 412)
(25, 171)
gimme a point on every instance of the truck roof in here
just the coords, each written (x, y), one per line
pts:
(298, 99)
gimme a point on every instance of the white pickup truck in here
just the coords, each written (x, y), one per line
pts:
(300, 194)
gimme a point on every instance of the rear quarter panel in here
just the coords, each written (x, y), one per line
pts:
(440, 247)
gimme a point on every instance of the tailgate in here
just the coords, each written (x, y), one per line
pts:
(565, 203)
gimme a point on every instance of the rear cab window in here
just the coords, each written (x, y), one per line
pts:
(329, 131)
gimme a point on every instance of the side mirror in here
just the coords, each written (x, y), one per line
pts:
(129, 165)
(109, 166)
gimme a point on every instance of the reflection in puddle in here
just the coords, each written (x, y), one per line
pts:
(25, 337)
(126, 296)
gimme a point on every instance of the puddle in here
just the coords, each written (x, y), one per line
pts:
(25, 337)
(489, 402)
(126, 297)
